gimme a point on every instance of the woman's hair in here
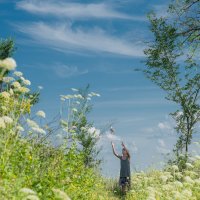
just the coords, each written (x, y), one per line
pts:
(123, 149)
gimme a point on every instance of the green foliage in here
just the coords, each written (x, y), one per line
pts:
(87, 136)
(6, 48)
(171, 64)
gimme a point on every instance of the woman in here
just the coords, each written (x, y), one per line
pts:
(125, 175)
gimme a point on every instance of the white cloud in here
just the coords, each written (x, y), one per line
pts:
(164, 125)
(66, 38)
(74, 10)
(161, 143)
(65, 71)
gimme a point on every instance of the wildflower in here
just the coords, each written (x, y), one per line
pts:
(7, 119)
(27, 191)
(188, 180)
(8, 79)
(11, 91)
(91, 130)
(164, 178)
(20, 128)
(40, 87)
(23, 90)
(39, 130)
(175, 167)
(32, 123)
(78, 102)
(88, 98)
(187, 193)
(74, 110)
(27, 82)
(17, 73)
(8, 64)
(41, 113)
(178, 184)
(5, 95)
(59, 193)
(16, 84)
(2, 123)
(189, 165)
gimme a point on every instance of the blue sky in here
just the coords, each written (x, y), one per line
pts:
(63, 44)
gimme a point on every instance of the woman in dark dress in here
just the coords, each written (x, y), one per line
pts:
(125, 175)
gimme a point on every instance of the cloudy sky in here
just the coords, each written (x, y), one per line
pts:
(63, 44)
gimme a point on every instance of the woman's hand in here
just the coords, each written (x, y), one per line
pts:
(112, 144)
(123, 144)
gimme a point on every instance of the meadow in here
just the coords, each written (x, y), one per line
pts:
(32, 167)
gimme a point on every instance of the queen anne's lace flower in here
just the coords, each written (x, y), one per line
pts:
(17, 73)
(41, 113)
(7, 120)
(8, 64)
(5, 95)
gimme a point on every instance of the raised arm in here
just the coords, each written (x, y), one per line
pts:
(114, 152)
(126, 150)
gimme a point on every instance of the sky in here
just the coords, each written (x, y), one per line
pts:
(65, 44)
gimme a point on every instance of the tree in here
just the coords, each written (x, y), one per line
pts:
(172, 65)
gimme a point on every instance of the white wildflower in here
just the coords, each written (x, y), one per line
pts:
(8, 64)
(17, 73)
(187, 193)
(39, 130)
(164, 179)
(61, 194)
(188, 180)
(8, 79)
(40, 87)
(16, 84)
(91, 130)
(23, 90)
(41, 113)
(189, 165)
(32, 123)
(7, 119)
(11, 91)
(22, 78)
(178, 184)
(27, 82)
(20, 128)
(88, 98)
(74, 110)
(27, 191)
(5, 95)
(78, 102)
(175, 167)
